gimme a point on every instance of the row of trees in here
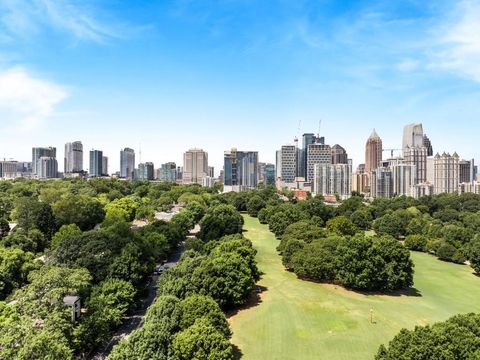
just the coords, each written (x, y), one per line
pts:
(217, 272)
(456, 338)
(107, 267)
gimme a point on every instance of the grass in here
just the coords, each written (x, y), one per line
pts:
(297, 319)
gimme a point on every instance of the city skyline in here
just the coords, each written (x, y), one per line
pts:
(155, 72)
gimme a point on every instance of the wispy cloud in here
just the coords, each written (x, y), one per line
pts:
(27, 101)
(460, 42)
(22, 18)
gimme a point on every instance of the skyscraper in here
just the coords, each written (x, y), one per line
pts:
(373, 152)
(96, 163)
(73, 160)
(47, 167)
(317, 153)
(240, 170)
(37, 153)
(287, 163)
(414, 150)
(127, 163)
(145, 171)
(195, 166)
(269, 174)
(404, 179)
(168, 172)
(446, 173)
(428, 144)
(339, 155)
(381, 183)
(105, 166)
(466, 171)
(333, 179)
(412, 136)
(307, 139)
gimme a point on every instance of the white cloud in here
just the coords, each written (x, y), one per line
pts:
(460, 41)
(25, 17)
(25, 101)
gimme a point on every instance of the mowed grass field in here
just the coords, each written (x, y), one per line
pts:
(298, 319)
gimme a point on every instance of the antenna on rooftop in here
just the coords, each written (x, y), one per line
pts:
(319, 127)
(140, 152)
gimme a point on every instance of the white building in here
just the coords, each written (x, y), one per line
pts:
(333, 179)
(195, 166)
(446, 173)
(381, 185)
(287, 158)
(317, 153)
(404, 179)
(73, 160)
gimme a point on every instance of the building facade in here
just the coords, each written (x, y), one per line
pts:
(105, 166)
(96, 163)
(333, 179)
(287, 164)
(446, 170)
(417, 155)
(412, 136)
(37, 153)
(168, 172)
(73, 160)
(240, 170)
(404, 179)
(317, 154)
(466, 171)
(47, 168)
(381, 183)
(339, 155)
(195, 166)
(269, 174)
(428, 145)
(127, 163)
(373, 152)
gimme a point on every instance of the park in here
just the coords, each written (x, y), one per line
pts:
(297, 319)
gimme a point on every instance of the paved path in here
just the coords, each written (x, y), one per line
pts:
(133, 321)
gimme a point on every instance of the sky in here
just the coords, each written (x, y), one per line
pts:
(165, 76)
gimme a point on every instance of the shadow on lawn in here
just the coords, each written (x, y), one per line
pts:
(254, 300)
(410, 292)
(237, 353)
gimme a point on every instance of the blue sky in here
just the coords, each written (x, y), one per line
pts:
(170, 75)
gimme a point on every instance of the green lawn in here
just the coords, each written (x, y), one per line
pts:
(303, 320)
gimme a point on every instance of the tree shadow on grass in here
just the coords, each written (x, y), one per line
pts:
(410, 292)
(237, 353)
(255, 299)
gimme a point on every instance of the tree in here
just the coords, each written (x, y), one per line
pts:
(315, 261)
(254, 205)
(15, 266)
(81, 210)
(198, 306)
(201, 341)
(227, 278)
(389, 224)
(32, 214)
(474, 254)
(4, 228)
(448, 252)
(456, 338)
(196, 209)
(71, 231)
(341, 225)
(416, 242)
(131, 265)
(362, 219)
(219, 221)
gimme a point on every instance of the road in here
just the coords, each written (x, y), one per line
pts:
(133, 321)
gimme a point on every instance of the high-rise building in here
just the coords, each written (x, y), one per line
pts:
(287, 164)
(269, 174)
(339, 155)
(47, 168)
(145, 172)
(446, 173)
(428, 144)
(317, 154)
(404, 179)
(412, 136)
(381, 183)
(333, 179)
(195, 166)
(373, 152)
(168, 172)
(127, 163)
(96, 163)
(73, 161)
(307, 139)
(105, 166)
(37, 153)
(240, 170)
(466, 171)
(211, 171)
(261, 173)
(8, 169)
(417, 155)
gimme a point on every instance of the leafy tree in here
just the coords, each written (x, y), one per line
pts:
(389, 224)
(4, 228)
(416, 242)
(362, 219)
(448, 252)
(255, 204)
(474, 254)
(201, 341)
(194, 244)
(71, 231)
(15, 265)
(219, 221)
(81, 210)
(341, 225)
(198, 306)
(131, 265)
(290, 247)
(315, 261)
(196, 209)
(32, 214)
(456, 338)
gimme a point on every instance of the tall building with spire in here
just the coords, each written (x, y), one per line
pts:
(373, 152)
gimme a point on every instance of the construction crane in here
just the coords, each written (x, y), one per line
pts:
(391, 151)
